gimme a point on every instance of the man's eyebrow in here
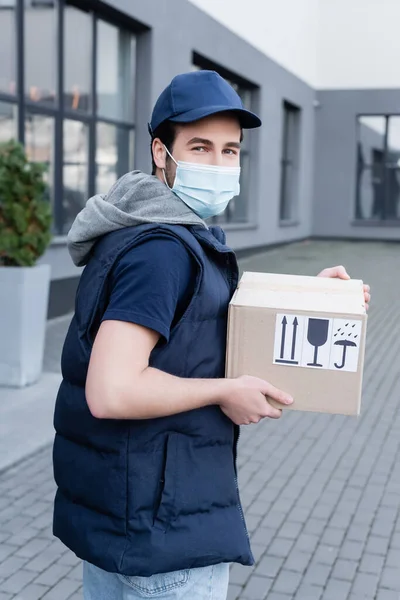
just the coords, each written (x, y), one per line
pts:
(205, 142)
(197, 140)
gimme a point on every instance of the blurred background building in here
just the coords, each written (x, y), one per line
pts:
(78, 79)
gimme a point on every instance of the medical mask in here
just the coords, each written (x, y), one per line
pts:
(206, 189)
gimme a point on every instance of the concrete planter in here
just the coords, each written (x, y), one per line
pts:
(24, 293)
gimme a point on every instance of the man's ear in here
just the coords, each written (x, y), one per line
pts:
(159, 153)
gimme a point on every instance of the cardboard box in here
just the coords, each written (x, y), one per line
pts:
(305, 335)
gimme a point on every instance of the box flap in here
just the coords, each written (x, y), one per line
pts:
(300, 293)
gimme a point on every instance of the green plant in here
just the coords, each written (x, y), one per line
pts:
(25, 216)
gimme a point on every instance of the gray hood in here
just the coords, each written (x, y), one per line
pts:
(135, 199)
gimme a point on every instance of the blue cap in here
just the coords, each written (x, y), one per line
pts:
(193, 96)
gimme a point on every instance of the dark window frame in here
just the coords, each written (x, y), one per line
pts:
(385, 217)
(289, 163)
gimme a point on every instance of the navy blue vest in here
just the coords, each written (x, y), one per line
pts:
(159, 495)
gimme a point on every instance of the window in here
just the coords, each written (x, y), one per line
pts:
(39, 143)
(378, 168)
(78, 48)
(8, 45)
(115, 104)
(8, 121)
(115, 72)
(289, 163)
(40, 53)
(238, 208)
(75, 169)
(79, 121)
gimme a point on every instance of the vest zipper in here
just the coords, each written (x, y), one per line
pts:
(239, 504)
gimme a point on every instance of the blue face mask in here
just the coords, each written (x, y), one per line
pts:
(206, 189)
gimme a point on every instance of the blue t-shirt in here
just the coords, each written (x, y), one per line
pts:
(152, 285)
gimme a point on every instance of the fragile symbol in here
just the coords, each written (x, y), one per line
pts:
(317, 336)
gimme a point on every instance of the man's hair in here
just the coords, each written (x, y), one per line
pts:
(166, 132)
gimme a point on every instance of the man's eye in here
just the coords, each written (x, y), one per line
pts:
(200, 149)
(230, 152)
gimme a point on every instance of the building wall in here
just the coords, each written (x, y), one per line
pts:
(336, 162)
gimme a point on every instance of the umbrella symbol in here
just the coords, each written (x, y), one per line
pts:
(345, 344)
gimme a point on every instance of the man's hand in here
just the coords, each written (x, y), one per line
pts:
(341, 273)
(246, 401)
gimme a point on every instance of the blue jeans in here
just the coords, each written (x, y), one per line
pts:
(207, 583)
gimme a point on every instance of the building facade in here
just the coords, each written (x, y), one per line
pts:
(78, 79)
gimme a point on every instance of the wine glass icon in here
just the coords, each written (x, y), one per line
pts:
(317, 336)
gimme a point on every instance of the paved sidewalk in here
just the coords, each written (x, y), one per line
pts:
(321, 493)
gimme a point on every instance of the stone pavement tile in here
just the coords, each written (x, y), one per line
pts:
(32, 592)
(257, 588)
(63, 590)
(309, 592)
(6, 550)
(393, 558)
(280, 547)
(233, 592)
(315, 526)
(307, 542)
(373, 563)
(358, 532)
(263, 536)
(252, 522)
(290, 530)
(326, 555)
(69, 558)
(52, 575)
(390, 579)
(351, 550)
(15, 523)
(385, 595)
(345, 569)
(299, 515)
(298, 560)
(11, 565)
(287, 582)
(4, 596)
(32, 548)
(22, 537)
(278, 596)
(336, 590)
(269, 566)
(333, 536)
(377, 545)
(76, 572)
(365, 585)
(258, 551)
(395, 541)
(239, 574)
(317, 574)
(18, 581)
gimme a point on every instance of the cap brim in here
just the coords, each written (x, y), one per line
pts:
(247, 119)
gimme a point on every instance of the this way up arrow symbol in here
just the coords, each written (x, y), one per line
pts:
(284, 325)
(295, 326)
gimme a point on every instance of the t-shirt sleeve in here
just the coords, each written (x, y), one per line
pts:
(152, 284)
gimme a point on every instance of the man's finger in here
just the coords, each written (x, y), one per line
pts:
(277, 395)
(272, 412)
